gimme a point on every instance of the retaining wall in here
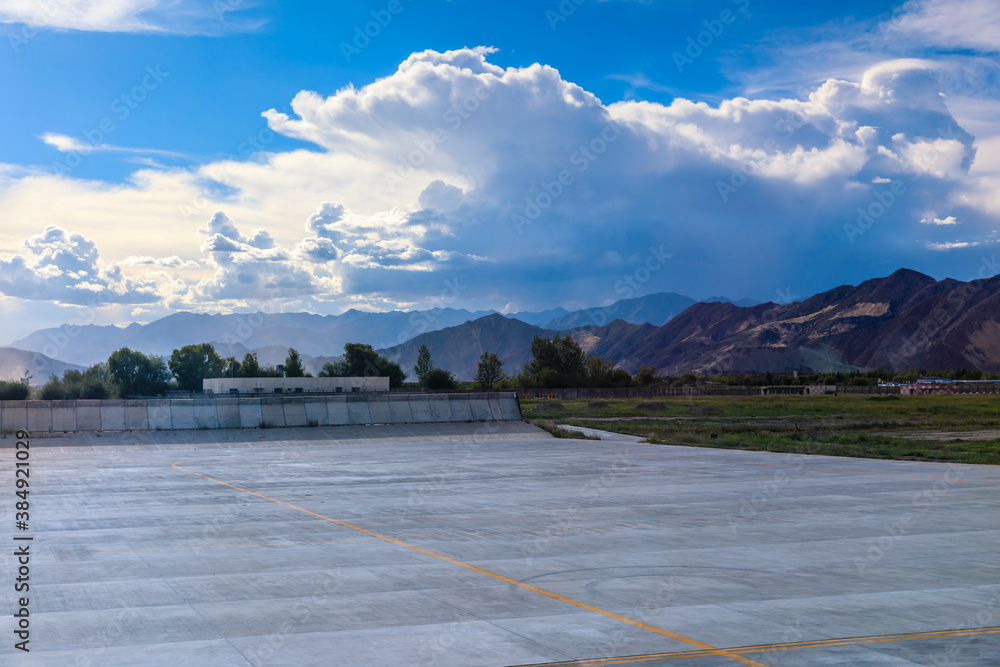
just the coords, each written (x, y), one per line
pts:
(213, 413)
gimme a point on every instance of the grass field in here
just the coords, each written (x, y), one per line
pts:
(963, 429)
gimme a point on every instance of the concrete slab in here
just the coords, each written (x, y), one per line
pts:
(461, 408)
(440, 408)
(251, 415)
(295, 412)
(159, 414)
(39, 416)
(113, 416)
(182, 415)
(144, 562)
(358, 411)
(63, 416)
(13, 416)
(137, 417)
(88, 415)
(206, 414)
(379, 409)
(399, 411)
(228, 412)
(510, 409)
(495, 410)
(272, 412)
(480, 408)
(316, 412)
(336, 408)
(420, 408)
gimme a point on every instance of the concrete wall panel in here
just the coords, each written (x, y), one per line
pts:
(295, 412)
(39, 416)
(206, 415)
(159, 415)
(421, 410)
(137, 415)
(495, 411)
(250, 413)
(316, 412)
(182, 415)
(400, 412)
(228, 413)
(359, 412)
(509, 408)
(480, 406)
(461, 408)
(337, 410)
(63, 416)
(380, 411)
(272, 412)
(15, 416)
(113, 416)
(88, 415)
(440, 409)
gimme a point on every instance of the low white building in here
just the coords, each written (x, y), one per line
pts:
(269, 386)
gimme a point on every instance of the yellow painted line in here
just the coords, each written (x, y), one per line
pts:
(762, 648)
(708, 648)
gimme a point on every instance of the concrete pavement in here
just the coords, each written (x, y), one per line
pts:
(490, 544)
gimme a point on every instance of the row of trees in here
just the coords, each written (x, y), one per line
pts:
(555, 362)
(131, 373)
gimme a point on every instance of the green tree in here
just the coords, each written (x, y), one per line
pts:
(361, 360)
(424, 364)
(333, 370)
(134, 373)
(194, 363)
(293, 364)
(438, 379)
(646, 376)
(14, 391)
(250, 366)
(600, 371)
(557, 362)
(490, 370)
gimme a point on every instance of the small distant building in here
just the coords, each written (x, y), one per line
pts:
(271, 386)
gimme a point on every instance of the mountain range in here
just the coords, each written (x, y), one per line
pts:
(271, 334)
(905, 320)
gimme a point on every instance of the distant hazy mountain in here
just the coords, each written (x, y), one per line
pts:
(14, 362)
(458, 348)
(538, 319)
(311, 335)
(655, 309)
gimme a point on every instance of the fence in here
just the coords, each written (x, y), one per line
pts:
(657, 392)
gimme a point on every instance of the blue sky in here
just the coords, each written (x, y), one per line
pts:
(218, 156)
